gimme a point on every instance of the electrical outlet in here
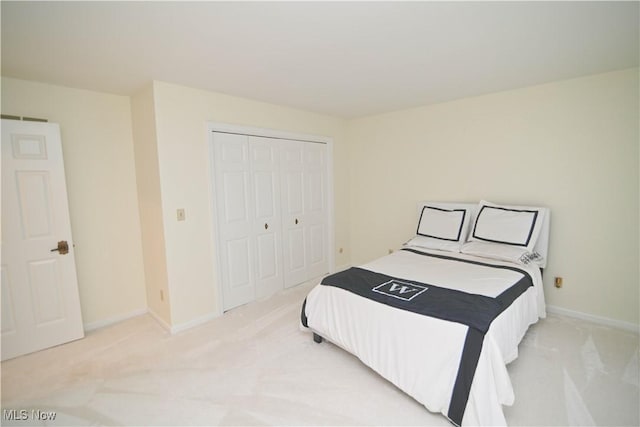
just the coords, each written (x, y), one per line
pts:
(558, 282)
(180, 214)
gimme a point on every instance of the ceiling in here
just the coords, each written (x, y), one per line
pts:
(345, 59)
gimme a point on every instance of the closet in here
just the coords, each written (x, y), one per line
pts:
(271, 214)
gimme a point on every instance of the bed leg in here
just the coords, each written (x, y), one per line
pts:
(317, 338)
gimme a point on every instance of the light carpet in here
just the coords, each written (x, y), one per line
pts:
(254, 366)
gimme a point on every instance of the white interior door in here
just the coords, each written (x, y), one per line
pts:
(40, 301)
(267, 226)
(293, 213)
(315, 206)
(304, 204)
(235, 218)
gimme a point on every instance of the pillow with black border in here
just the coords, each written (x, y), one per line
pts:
(508, 225)
(440, 223)
(442, 236)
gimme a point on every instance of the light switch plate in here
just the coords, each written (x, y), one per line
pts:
(180, 214)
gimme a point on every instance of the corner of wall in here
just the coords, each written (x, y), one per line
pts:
(150, 202)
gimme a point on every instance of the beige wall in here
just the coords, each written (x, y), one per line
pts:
(181, 118)
(150, 203)
(99, 166)
(571, 145)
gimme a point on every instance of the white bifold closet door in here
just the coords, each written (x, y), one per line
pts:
(271, 212)
(304, 204)
(248, 199)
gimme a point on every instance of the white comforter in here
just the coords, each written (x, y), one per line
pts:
(421, 354)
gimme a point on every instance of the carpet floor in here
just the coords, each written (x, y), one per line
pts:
(254, 366)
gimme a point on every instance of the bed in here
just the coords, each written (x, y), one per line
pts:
(443, 316)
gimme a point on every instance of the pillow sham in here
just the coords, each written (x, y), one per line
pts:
(443, 224)
(441, 229)
(516, 226)
(497, 251)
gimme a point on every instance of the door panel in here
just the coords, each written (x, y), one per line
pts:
(238, 263)
(44, 283)
(267, 260)
(316, 246)
(295, 193)
(35, 208)
(316, 209)
(263, 182)
(233, 149)
(274, 194)
(233, 189)
(305, 216)
(267, 224)
(8, 318)
(292, 175)
(315, 192)
(40, 300)
(292, 153)
(28, 147)
(317, 250)
(235, 200)
(296, 258)
(263, 152)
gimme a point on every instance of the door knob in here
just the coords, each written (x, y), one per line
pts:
(62, 249)
(266, 226)
(296, 221)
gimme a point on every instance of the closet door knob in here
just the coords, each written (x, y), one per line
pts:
(296, 221)
(266, 226)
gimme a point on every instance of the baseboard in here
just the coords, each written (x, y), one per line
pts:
(113, 320)
(620, 324)
(171, 329)
(174, 329)
(343, 267)
(160, 320)
(193, 323)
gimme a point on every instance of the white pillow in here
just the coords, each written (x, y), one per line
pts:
(431, 243)
(442, 229)
(443, 224)
(517, 226)
(497, 251)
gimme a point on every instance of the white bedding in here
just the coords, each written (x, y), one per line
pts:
(421, 354)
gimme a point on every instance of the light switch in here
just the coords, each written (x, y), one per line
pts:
(180, 214)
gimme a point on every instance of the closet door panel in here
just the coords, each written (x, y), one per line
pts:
(235, 185)
(263, 182)
(315, 209)
(294, 183)
(293, 205)
(316, 245)
(267, 259)
(234, 205)
(271, 199)
(238, 263)
(267, 224)
(296, 258)
(315, 196)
